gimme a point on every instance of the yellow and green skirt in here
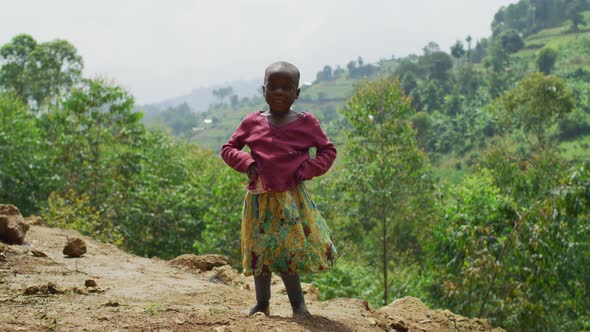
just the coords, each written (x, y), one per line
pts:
(284, 232)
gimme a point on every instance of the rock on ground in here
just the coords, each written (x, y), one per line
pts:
(201, 263)
(12, 225)
(34, 220)
(75, 247)
(50, 288)
(409, 314)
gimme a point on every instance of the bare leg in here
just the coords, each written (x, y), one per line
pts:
(295, 293)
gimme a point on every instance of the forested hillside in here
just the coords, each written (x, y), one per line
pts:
(462, 178)
(452, 92)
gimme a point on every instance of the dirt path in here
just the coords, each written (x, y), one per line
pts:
(138, 294)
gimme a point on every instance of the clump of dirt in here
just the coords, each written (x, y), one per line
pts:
(34, 220)
(54, 289)
(409, 314)
(107, 289)
(12, 225)
(227, 275)
(199, 263)
(90, 283)
(75, 247)
(50, 288)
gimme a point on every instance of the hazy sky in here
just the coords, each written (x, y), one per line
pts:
(161, 49)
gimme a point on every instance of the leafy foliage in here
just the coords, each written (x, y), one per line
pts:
(222, 218)
(163, 213)
(179, 119)
(384, 175)
(529, 16)
(538, 102)
(39, 72)
(546, 60)
(22, 163)
(510, 245)
(574, 11)
(93, 141)
(74, 211)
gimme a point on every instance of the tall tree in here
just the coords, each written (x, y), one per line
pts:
(546, 60)
(457, 50)
(352, 69)
(575, 13)
(536, 103)
(223, 92)
(53, 68)
(430, 48)
(480, 50)
(39, 73)
(507, 42)
(325, 74)
(519, 16)
(385, 175)
(511, 41)
(23, 159)
(438, 65)
(93, 139)
(15, 56)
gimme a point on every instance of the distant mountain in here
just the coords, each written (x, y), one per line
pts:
(200, 98)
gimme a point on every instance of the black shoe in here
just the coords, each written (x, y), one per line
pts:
(295, 293)
(262, 307)
(262, 287)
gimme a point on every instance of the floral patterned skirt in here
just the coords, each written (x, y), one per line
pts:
(284, 232)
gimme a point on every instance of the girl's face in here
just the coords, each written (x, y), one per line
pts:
(280, 91)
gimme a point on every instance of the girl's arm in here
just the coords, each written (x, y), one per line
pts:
(325, 154)
(232, 153)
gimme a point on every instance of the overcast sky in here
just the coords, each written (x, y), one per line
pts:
(162, 49)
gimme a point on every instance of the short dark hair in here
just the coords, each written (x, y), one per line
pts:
(283, 66)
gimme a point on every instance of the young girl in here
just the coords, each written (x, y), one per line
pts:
(282, 229)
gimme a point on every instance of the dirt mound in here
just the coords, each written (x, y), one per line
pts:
(107, 289)
(12, 225)
(409, 314)
(34, 220)
(199, 263)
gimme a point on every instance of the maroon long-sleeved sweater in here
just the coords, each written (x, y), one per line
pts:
(281, 153)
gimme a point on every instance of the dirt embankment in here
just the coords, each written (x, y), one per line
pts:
(106, 289)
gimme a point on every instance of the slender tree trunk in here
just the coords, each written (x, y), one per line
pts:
(95, 169)
(383, 213)
(384, 261)
(95, 150)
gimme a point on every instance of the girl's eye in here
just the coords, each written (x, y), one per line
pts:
(284, 88)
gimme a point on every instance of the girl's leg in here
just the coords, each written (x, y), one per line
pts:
(295, 293)
(262, 286)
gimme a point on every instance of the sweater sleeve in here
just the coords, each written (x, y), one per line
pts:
(325, 154)
(232, 153)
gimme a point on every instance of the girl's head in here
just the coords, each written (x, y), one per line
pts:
(281, 86)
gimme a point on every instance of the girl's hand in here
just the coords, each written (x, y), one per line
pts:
(252, 172)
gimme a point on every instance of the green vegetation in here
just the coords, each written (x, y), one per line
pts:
(380, 150)
(153, 309)
(462, 178)
(36, 72)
